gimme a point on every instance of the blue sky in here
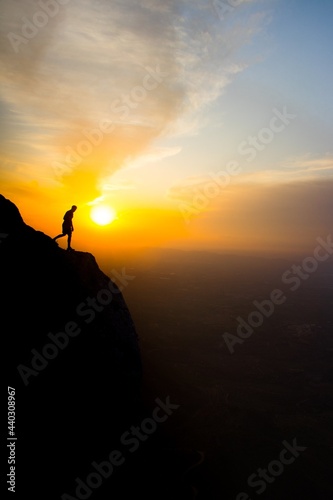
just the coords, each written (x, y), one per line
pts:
(300, 62)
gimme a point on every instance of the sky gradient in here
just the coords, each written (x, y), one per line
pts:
(203, 124)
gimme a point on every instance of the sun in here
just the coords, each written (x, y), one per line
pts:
(103, 215)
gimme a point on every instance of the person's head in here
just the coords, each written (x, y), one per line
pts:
(74, 207)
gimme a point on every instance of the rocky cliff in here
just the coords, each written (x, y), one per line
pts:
(71, 353)
(80, 424)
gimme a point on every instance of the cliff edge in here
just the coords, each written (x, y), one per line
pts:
(71, 353)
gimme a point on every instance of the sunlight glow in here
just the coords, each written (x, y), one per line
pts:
(103, 215)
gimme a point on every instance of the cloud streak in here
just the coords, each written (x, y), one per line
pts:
(281, 210)
(67, 78)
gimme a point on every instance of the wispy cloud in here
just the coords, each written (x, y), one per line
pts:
(276, 217)
(89, 57)
(310, 164)
(153, 154)
(304, 169)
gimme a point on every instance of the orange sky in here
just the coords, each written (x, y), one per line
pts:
(199, 130)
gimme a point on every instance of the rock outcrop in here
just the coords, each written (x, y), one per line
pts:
(83, 425)
(71, 353)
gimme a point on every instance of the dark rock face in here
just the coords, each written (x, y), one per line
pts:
(72, 356)
(10, 217)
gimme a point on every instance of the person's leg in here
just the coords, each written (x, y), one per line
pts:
(69, 239)
(59, 236)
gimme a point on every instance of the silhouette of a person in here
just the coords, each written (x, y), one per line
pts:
(67, 227)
